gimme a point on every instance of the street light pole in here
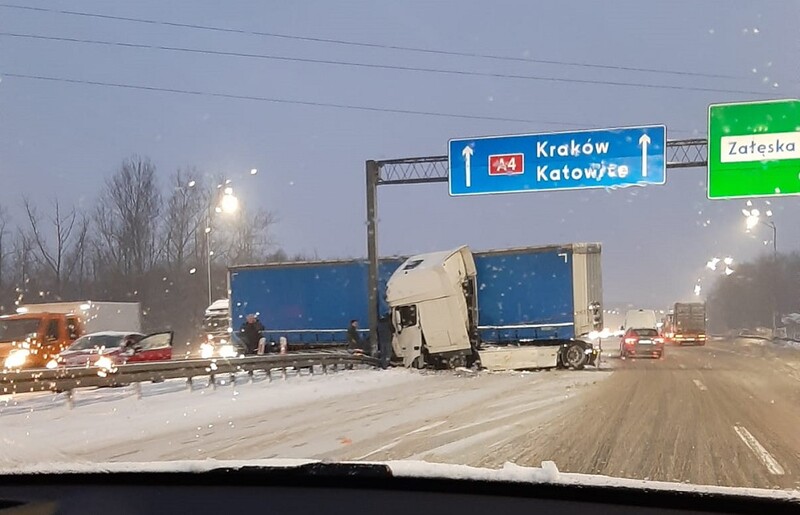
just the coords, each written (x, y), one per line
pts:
(753, 219)
(225, 203)
(208, 255)
(774, 228)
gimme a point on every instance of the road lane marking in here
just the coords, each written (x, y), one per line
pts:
(425, 428)
(379, 449)
(462, 443)
(394, 443)
(761, 453)
(700, 385)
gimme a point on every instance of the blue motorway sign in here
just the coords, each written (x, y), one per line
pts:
(599, 158)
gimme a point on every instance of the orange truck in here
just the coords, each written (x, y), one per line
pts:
(37, 333)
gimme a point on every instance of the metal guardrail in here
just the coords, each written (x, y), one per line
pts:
(67, 379)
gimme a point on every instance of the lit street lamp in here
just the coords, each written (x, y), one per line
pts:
(752, 219)
(226, 203)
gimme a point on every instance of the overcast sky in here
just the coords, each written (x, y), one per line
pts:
(59, 138)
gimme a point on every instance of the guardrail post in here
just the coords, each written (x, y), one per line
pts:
(137, 387)
(70, 398)
(250, 376)
(268, 370)
(233, 379)
(212, 381)
(189, 385)
(285, 374)
(325, 369)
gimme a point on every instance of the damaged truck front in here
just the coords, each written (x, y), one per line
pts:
(434, 301)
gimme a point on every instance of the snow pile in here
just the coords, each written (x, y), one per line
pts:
(548, 473)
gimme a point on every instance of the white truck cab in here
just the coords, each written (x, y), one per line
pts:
(434, 308)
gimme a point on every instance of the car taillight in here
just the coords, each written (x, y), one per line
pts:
(630, 341)
(659, 340)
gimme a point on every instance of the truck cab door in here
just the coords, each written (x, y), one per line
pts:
(407, 338)
(52, 339)
(73, 329)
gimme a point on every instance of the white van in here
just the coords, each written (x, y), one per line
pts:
(640, 319)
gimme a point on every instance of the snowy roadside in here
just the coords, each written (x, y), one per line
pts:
(42, 429)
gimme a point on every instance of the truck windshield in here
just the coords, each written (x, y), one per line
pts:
(11, 330)
(96, 341)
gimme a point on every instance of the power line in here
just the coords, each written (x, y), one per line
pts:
(377, 66)
(362, 44)
(284, 101)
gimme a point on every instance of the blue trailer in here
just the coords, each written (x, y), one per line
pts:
(523, 293)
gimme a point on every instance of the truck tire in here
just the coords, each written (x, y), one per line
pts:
(573, 356)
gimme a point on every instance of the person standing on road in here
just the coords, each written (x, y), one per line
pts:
(354, 341)
(385, 332)
(251, 333)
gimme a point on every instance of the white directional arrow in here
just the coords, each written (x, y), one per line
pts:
(467, 154)
(644, 141)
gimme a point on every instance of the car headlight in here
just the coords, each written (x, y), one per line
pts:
(227, 351)
(206, 351)
(17, 358)
(104, 363)
(52, 364)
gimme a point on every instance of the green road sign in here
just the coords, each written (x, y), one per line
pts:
(754, 149)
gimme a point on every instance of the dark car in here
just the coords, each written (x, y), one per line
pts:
(641, 342)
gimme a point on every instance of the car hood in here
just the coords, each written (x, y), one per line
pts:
(6, 348)
(547, 474)
(86, 356)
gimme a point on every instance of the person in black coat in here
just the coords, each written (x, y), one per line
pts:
(385, 332)
(251, 333)
(354, 341)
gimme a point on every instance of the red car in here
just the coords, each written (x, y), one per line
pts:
(641, 342)
(111, 348)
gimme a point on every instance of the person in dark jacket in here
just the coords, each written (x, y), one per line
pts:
(251, 333)
(385, 332)
(354, 341)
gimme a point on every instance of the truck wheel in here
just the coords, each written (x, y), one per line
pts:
(573, 356)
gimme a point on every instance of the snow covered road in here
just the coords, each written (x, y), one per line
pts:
(372, 415)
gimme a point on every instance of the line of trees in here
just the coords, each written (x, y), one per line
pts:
(140, 241)
(745, 299)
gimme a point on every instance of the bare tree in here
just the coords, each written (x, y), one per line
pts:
(51, 252)
(4, 247)
(78, 259)
(184, 217)
(22, 265)
(248, 237)
(127, 218)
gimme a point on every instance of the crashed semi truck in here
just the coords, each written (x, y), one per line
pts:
(528, 298)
